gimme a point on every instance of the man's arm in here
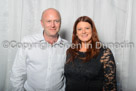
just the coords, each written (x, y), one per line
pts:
(18, 71)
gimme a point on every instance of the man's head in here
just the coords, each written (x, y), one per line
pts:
(51, 22)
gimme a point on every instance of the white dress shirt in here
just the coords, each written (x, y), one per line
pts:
(41, 64)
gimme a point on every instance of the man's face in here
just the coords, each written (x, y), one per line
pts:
(51, 23)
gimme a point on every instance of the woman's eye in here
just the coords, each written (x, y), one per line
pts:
(79, 29)
(87, 28)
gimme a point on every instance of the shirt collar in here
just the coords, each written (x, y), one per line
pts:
(42, 40)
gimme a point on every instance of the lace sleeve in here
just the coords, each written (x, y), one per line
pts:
(109, 71)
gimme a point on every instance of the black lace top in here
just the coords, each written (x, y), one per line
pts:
(98, 74)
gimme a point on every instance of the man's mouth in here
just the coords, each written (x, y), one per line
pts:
(52, 29)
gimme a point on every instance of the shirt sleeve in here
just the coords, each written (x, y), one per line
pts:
(109, 71)
(18, 71)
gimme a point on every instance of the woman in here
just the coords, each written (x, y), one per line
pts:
(89, 67)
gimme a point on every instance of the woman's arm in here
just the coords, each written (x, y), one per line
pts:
(109, 71)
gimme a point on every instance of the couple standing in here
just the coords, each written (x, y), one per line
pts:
(60, 69)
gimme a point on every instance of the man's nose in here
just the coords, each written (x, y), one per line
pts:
(53, 24)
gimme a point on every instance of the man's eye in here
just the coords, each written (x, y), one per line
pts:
(57, 20)
(48, 21)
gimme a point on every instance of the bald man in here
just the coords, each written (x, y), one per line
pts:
(43, 63)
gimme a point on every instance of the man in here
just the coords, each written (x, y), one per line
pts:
(42, 66)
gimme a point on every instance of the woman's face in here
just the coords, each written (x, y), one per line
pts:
(84, 31)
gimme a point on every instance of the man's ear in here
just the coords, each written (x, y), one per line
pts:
(42, 23)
